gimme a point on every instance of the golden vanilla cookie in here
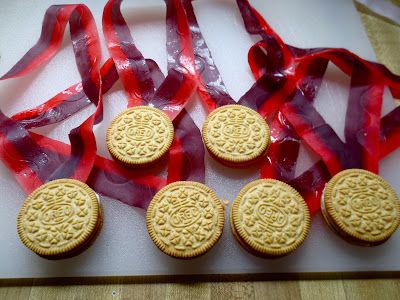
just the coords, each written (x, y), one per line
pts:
(269, 218)
(361, 207)
(185, 219)
(139, 136)
(60, 219)
(236, 135)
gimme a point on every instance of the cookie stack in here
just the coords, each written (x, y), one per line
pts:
(361, 207)
(60, 219)
(185, 219)
(140, 136)
(236, 135)
(269, 218)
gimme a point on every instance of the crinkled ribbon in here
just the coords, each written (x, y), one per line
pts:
(131, 66)
(367, 135)
(38, 164)
(33, 158)
(174, 91)
(288, 80)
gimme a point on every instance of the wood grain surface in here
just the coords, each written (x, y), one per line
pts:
(381, 289)
(385, 38)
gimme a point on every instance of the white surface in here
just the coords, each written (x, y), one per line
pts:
(123, 247)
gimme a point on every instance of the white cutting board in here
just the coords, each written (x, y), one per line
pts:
(124, 247)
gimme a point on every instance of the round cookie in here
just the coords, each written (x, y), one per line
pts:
(60, 219)
(139, 136)
(185, 219)
(361, 207)
(236, 135)
(269, 218)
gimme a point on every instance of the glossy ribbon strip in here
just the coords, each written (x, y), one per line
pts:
(31, 157)
(87, 52)
(362, 129)
(131, 66)
(173, 92)
(288, 80)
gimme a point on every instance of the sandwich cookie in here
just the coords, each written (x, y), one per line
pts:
(139, 136)
(269, 218)
(361, 207)
(185, 219)
(60, 219)
(236, 135)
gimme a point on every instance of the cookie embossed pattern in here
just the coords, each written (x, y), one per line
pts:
(269, 218)
(185, 219)
(322, 251)
(140, 135)
(60, 218)
(236, 135)
(361, 206)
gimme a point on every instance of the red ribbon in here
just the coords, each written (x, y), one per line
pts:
(179, 85)
(288, 80)
(34, 159)
(87, 55)
(363, 129)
